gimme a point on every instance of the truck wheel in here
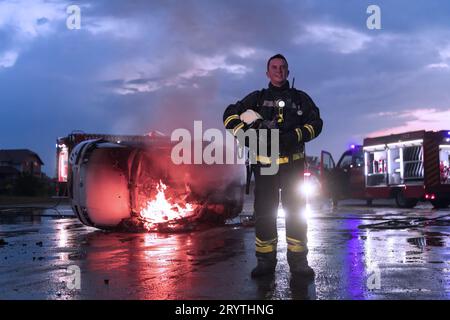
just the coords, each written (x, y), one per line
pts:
(403, 202)
(439, 203)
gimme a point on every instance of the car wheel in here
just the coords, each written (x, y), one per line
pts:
(403, 202)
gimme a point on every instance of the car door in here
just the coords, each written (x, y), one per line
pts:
(356, 173)
(341, 176)
(326, 169)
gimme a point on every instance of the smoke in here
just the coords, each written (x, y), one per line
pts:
(198, 50)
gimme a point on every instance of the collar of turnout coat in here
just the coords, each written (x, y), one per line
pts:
(284, 87)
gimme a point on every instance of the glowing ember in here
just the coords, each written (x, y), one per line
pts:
(161, 209)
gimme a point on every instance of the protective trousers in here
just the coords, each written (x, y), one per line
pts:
(267, 196)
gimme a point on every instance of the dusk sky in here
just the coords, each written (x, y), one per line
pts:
(136, 66)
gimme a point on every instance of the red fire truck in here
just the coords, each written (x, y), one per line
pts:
(409, 167)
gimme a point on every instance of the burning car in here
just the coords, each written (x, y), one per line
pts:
(132, 184)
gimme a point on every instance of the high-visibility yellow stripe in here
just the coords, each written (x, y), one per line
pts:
(282, 160)
(299, 134)
(265, 246)
(293, 240)
(296, 248)
(268, 160)
(261, 242)
(314, 131)
(267, 249)
(237, 128)
(257, 240)
(310, 129)
(227, 120)
(280, 118)
(269, 245)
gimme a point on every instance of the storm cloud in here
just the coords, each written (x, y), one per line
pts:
(136, 66)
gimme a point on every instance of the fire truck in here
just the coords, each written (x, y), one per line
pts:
(409, 167)
(126, 181)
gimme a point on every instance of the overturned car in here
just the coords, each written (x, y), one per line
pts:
(133, 185)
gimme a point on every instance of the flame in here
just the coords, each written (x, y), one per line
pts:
(161, 209)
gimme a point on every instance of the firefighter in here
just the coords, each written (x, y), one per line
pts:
(297, 119)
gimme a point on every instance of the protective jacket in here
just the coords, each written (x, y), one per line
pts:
(290, 110)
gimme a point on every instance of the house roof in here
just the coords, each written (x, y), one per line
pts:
(17, 156)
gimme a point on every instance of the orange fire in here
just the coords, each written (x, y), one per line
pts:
(161, 209)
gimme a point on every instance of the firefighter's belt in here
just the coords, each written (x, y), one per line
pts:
(281, 160)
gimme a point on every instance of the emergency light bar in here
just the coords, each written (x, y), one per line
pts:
(375, 148)
(410, 143)
(406, 143)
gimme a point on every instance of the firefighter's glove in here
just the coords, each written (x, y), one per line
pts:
(250, 116)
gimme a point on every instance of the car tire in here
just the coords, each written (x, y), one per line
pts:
(403, 202)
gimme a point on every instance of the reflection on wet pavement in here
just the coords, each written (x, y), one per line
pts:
(36, 251)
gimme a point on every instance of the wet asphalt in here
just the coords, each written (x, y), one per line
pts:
(39, 248)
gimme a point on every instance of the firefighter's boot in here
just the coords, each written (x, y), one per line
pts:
(298, 264)
(266, 264)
